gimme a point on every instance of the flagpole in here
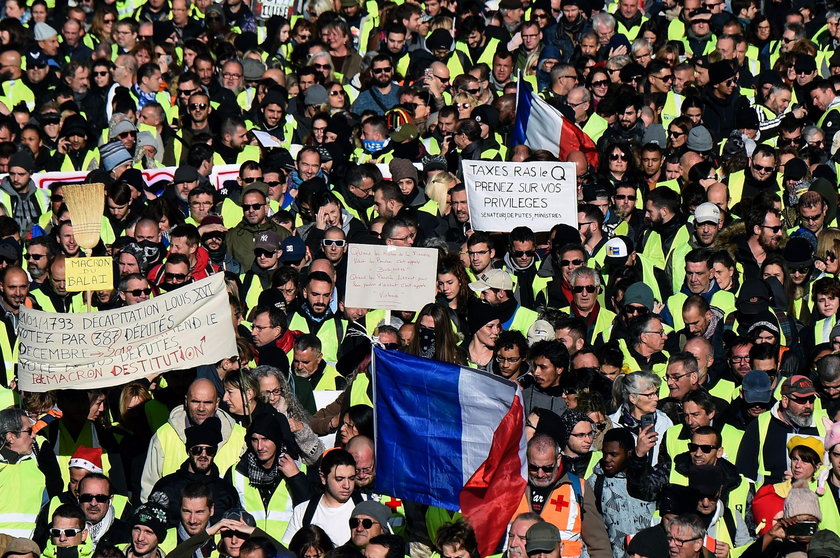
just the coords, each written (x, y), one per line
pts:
(518, 85)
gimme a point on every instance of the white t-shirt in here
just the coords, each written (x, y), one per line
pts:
(335, 521)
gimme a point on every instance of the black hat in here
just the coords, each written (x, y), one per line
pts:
(632, 70)
(746, 119)
(75, 124)
(486, 114)
(153, 516)
(275, 427)
(798, 252)
(805, 63)
(707, 480)
(720, 72)
(565, 234)
(274, 97)
(24, 160)
(753, 297)
(162, 30)
(676, 499)
(769, 76)
(208, 433)
(796, 169)
(479, 313)
(439, 39)
(185, 173)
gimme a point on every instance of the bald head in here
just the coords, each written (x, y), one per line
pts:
(688, 160)
(718, 194)
(440, 69)
(579, 159)
(147, 229)
(202, 401)
(359, 443)
(323, 264)
(11, 65)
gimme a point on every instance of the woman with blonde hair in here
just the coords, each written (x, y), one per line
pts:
(103, 23)
(828, 246)
(437, 189)
(464, 103)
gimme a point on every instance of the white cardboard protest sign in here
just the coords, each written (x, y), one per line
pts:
(504, 195)
(390, 277)
(181, 329)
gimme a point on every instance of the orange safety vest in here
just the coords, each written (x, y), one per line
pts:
(564, 512)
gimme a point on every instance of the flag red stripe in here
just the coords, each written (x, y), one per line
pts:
(492, 494)
(572, 138)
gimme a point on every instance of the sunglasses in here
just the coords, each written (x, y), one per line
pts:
(336, 93)
(55, 198)
(137, 292)
(195, 451)
(705, 448)
(260, 253)
(125, 135)
(761, 168)
(588, 288)
(601, 426)
(600, 83)
(251, 179)
(543, 468)
(566, 263)
(675, 133)
(632, 310)
(809, 400)
(473, 91)
(70, 532)
(88, 498)
(800, 270)
(462, 106)
(618, 157)
(333, 242)
(444, 80)
(523, 253)
(622, 197)
(252, 206)
(198, 106)
(178, 276)
(382, 70)
(775, 229)
(36, 257)
(366, 523)
(101, 74)
(187, 92)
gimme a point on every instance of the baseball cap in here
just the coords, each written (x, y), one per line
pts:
(36, 57)
(486, 114)
(617, 250)
(540, 330)
(753, 297)
(256, 186)
(185, 173)
(805, 63)
(493, 279)
(757, 387)
(707, 212)
(541, 537)
(292, 249)
(267, 240)
(798, 385)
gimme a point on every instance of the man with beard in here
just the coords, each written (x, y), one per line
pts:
(315, 316)
(570, 28)
(308, 363)
(755, 398)
(356, 190)
(763, 236)
(577, 435)
(40, 251)
(762, 450)
(14, 89)
(266, 261)
(667, 230)
(383, 92)
(495, 287)
(628, 127)
(72, 46)
(722, 100)
(273, 111)
(758, 179)
(550, 360)
(39, 77)
(624, 207)
(698, 281)
(14, 291)
(522, 262)
(552, 494)
(199, 468)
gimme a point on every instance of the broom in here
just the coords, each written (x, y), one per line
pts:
(86, 203)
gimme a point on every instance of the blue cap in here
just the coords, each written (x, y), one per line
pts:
(292, 249)
(757, 387)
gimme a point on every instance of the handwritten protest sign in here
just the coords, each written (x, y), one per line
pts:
(503, 195)
(180, 329)
(390, 277)
(89, 274)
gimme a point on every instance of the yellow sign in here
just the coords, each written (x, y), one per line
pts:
(89, 274)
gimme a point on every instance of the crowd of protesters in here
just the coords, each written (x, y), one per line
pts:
(678, 351)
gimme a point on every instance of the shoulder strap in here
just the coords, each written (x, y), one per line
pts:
(599, 491)
(311, 507)
(729, 520)
(576, 488)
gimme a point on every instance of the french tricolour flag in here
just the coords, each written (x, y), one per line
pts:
(541, 126)
(451, 437)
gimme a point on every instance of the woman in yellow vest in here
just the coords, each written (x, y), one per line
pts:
(242, 395)
(828, 483)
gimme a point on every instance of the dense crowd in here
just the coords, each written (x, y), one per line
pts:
(678, 351)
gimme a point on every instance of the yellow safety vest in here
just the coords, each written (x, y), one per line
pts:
(174, 452)
(272, 519)
(248, 153)
(721, 299)
(328, 334)
(77, 302)
(25, 488)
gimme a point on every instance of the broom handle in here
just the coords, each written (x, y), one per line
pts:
(89, 299)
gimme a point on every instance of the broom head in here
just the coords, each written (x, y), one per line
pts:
(86, 203)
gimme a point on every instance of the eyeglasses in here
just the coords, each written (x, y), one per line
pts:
(366, 523)
(229, 75)
(809, 400)
(252, 206)
(195, 451)
(198, 106)
(509, 360)
(264, 253)
(572, 76)
(125, 135)
(380, 70)
(651, 395)
(739, 358)
(580, 435)
(544, 468)
(680, 542)
(618, 157)
(88, 498)
(137, 292)
(588, 288)
(36, 257)
(622, 197)
(523, 253)
(69, 532)
(477, 253)
(660, 333)
(333, 242)
(774, 229)
(567, 263)
(705, 448)
(676, 377)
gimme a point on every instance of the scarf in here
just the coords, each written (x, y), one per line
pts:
(143, 98)
(199, 552)
(259, 476)
(98, 530)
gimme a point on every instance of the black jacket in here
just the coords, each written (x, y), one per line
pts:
(224, 495)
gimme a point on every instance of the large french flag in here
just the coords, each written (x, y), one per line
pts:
(541, 126)
(451, 437)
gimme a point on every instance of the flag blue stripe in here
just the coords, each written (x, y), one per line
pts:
(523, 114)
(418, 429)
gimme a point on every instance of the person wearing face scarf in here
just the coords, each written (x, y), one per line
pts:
(212, 232)
(404, 174)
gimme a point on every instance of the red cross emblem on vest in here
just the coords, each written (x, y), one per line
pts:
(394, 504)
(559, 503)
